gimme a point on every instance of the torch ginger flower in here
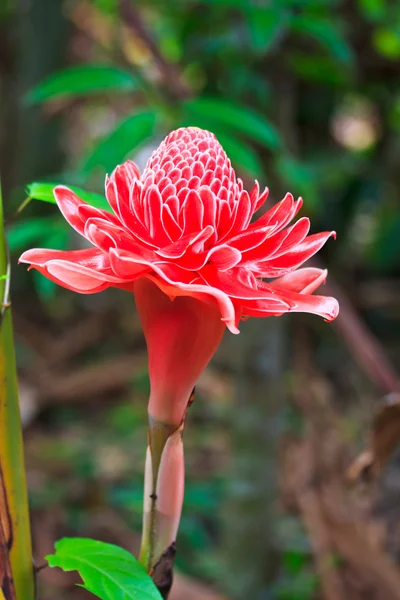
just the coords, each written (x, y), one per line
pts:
(181, 237)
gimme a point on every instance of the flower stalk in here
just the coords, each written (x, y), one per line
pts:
(16, 567)
(163, 498)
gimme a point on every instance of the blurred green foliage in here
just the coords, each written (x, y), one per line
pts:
(273, 80)
(303, 94)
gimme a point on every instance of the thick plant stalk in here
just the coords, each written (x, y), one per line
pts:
(16, 567)
(163, 498)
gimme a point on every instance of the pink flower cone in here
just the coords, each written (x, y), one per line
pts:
(182, 238)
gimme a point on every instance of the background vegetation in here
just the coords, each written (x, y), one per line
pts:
(304, 96)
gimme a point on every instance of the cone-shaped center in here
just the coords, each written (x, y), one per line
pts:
(182, 336)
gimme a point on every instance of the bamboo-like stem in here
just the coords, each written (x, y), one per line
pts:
(14, 512)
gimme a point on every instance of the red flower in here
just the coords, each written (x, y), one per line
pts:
(182, 240)
(185, 226)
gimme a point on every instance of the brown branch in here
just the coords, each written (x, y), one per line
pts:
(92, 380)
(170, 74)
(365, 347)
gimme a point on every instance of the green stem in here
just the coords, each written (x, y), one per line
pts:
(159, 434)
(14, 512)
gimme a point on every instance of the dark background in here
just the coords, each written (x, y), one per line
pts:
(305, 97)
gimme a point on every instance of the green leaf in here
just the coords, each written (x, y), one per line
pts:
(80, 80)
(318, 68)
(44, 192)
(327, 32)
(113, 149)
(24, 232)
(109, 572)
(235, 116)
(375, 10)
(302, 178)
(387, 42)
(265, 26)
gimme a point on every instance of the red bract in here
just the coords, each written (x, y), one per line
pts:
(185, 228)
(185, 224)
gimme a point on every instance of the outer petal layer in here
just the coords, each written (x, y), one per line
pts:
(185, 224)
(85, 271)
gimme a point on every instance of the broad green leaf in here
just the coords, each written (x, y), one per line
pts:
(219, 111)
(301, 177)
(328, 32)
(80, 80)
(108, 571)
(265, 26)
(44, 191)
(113, 149)
(373, 9)
(22, 233)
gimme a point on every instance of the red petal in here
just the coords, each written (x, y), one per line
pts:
(85, 271)
(324, 306)
(106, 236)
(234, 283)
(243, 214)
(178, 249)
(171, 227)
(259, 201)
(192, 213)
(223, 257)
(252, 238)
(210, 206)
(296, 257)
(281, 214)
(174, 281)
(153, 215)
(302, 281)
(224, 218)
(123, 176)
(128, 216)
(279, 243)
(76, 211)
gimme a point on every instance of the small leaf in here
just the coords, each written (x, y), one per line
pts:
(236, 117)
(80, 80)
(108, 571)
(112, 150)
(44, 192)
